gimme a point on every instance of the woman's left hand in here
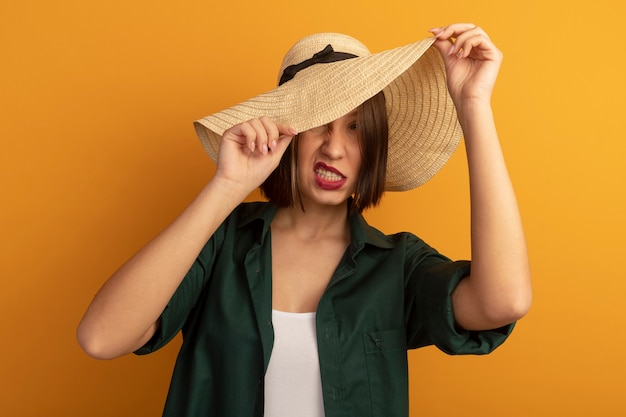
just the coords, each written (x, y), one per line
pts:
(472, 61)
(498, 290)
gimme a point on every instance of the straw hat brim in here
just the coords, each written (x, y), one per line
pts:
(423, 126)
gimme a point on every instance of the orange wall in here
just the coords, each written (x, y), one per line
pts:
(98, 153)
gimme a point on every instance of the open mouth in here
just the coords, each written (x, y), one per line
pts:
(327, 177)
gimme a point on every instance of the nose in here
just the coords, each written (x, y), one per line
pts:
(334, 144)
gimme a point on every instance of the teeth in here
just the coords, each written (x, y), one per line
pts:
(328, 175)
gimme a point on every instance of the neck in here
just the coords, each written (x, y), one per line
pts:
(315, 222)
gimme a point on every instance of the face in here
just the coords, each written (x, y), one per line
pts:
(329, 159)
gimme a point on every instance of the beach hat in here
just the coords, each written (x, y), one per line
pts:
(326, 75)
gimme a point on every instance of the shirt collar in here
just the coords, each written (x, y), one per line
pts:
(361, 232)
(257, 212)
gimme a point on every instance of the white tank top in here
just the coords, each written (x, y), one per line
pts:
(293, 385)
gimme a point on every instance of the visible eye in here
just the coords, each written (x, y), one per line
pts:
(353, 126)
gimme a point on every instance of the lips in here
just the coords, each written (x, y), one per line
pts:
(327, 177)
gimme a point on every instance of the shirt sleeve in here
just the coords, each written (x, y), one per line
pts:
(185, 297)
(430, 316)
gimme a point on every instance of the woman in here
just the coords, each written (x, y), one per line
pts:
(297, 306)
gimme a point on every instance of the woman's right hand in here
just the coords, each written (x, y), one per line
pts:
(125, 313)
(251, 150)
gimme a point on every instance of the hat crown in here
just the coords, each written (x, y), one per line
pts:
(308, 46)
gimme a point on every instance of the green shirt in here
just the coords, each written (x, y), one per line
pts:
(388, 294)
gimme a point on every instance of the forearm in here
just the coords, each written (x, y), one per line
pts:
(124, 313)
(498, 290)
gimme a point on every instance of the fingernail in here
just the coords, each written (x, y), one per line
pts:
(292, 131)
(273, 144)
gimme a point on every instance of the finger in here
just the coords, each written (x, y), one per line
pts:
(456, 34)
(464, 44)
(276, 131)
(478, 47)
(242, 133)
(260, 135)
(271, 130)
(285, 135)
(443, 45)
(285, 130)
(281, 144)
(445, 37)
(470, 38)
(455, 30)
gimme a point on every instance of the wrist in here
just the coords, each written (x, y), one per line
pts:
(474, 110)
(228, 189)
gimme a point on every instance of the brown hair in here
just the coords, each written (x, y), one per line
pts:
(281, 187)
